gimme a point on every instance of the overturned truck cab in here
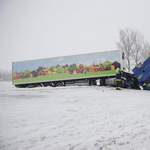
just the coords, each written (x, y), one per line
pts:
(128, 80)
(142, 74)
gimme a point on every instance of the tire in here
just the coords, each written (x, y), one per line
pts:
(38, 85)
(59, 84)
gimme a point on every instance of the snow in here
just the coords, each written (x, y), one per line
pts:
(74, 118)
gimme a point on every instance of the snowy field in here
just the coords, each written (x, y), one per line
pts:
(74, 118)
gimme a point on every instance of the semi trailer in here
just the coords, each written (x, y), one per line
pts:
(60, 71)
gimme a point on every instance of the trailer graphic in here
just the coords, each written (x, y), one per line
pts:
(67, 68)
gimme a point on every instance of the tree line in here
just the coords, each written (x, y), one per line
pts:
(5, 75)
(134, 46)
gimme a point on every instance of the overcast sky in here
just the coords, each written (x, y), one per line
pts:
(35, 29)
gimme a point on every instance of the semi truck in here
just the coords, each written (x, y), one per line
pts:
(80, 69)
(61, 71)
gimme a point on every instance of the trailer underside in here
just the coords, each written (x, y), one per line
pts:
(127, 81)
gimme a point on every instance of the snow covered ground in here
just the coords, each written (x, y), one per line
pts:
(74, 118)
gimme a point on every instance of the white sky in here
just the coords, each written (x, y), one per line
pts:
(33, 29)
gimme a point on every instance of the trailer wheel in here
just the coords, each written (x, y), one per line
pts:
(17, 86)
(60, 84)
(38, 85)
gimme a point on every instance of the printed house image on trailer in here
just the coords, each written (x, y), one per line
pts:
(68, 67)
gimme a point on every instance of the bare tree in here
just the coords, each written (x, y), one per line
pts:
(134, 47)
(137, 48)
(145, 51)
(127, 39)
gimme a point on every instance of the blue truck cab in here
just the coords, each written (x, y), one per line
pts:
(142, 74)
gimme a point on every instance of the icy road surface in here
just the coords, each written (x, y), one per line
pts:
(74, 118)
